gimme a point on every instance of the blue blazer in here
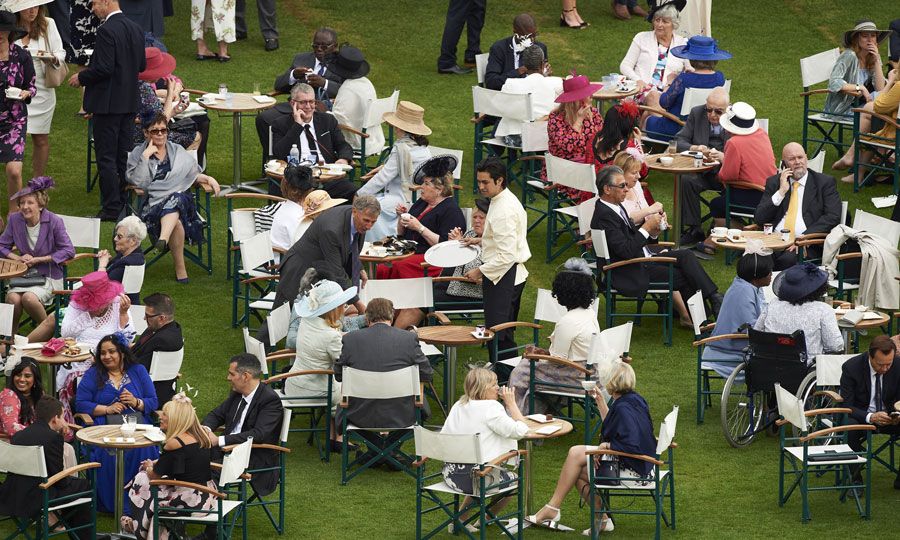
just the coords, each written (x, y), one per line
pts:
(89, 393)
(53, 240)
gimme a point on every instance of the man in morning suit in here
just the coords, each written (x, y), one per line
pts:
(870, 386)
(798, 199)
(626, 241)
(163, 334)
(111, 96)
(468, 13)
(504, 58)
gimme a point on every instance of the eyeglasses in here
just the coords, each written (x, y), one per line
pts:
(719, 112)
(118, 236)
(158, 131)
(322, 46)
(305, 102)
(148, 317)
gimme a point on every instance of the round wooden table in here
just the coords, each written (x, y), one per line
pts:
(450, 337)
(609, 93)
(680, 165)
(864, 324)
(317, 173)
(373, 261)
(238, 104)
(772, 241)
(33, 350)
(565, 427)
(10, 269)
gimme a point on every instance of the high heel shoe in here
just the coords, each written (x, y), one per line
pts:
(550, 523)
(605, 526)
(564, 24)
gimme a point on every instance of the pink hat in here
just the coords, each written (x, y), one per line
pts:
(96, 292)
(576, 88)
(159, 64)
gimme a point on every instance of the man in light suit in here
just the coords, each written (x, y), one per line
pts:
(819, 205)
(504, 60)
(111, 95)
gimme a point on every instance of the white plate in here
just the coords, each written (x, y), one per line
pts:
(155, 435)
(540, 418)
(451, 254)
(548, 430)
(336, 167)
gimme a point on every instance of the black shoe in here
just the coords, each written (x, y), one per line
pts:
(455, 70)
(240, 35)
(107, 217)
(161, 245)
(715, 303)
(271, 44)
(692, 236)
(469, 63)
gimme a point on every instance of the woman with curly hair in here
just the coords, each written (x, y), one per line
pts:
(573, 288)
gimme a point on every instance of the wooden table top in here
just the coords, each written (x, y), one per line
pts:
(386, 258)
(10, 268)
(452, 335)
(59, 359)
(680, 165)
(317, 173)
(867, 323)
(772, 241)
(609, 92)
(240, 102)
(93, 436)
(565, 429)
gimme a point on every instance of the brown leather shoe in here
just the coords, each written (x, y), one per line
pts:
(620, 11)
(638, 11)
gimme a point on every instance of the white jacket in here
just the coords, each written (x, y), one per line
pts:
(640, 60)
(878, 285)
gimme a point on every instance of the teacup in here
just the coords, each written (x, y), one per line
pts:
(405, 216)
(735, 235)
(13, 93)
(588, 385)
(719, 232)
(667, 160)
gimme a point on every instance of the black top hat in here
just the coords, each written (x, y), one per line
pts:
(483, 203)
(349, 63)
(656, 5)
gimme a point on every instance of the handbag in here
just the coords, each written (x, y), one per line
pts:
(31, 278)
(54, 75)
(606, 471)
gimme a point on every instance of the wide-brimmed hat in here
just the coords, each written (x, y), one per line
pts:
(701, 48)
(740, 119)
(576, 88)
(864, 25)
(349, 63)
(96, 292)
(409, 117)
(40, 183)
(436, 167)
(159, 64)
(799, 281)
(656, 5)
(8, 24)
(317, 201)
(16, 6)
(322, 298)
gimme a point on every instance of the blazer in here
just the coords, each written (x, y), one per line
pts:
(501, 64)
(287, 132)
(821, 203)
(262, 422)
(308, 60)
(111, 79)
(856, 386)
(382, 348)
(52, 240)
(166, 339)
(696, 130)
(624, 242)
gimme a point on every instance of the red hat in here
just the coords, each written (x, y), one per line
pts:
(576, 88)
(159, 64)
(96, 292)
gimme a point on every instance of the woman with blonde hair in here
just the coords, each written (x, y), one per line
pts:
(635, 202)
(185, 457)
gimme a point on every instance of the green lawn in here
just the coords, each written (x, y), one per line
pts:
(721, 492)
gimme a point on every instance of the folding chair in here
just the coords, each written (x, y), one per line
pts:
(255, 275)
(242, 222)
(133, 279)
(361, 384)
(498, 104)
(481, 67)
(814, 70)
(562, 212)
(6, 331)
(166, 366)
(820, 390)
(373, 120)
(604, 488)
(84, 233)
(885, 151)
(317, 408)
(465, 449)
(738, 211)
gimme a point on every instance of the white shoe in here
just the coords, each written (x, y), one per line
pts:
(551, 523)
(607, 526)
(469, 527)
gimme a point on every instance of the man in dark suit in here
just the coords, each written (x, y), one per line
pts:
(701, 133)
(251, 410)
(818, 205)
(268, 24)
(503, 60)
(461, 12)
(111, 95)
(163, 334)
(870, 385)
(626, 241)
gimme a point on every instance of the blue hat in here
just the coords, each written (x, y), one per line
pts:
(799, 281)
(322, 298)
(701, 48)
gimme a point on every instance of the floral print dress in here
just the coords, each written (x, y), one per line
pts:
(18, 72)
(217, 14)
(566, 143)
(83, 25)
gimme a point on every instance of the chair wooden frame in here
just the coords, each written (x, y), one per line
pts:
(814, 70)
(885, 147)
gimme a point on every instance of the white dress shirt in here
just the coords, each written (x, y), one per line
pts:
(777, 198)
(284, 224)
(304, 144)
(543, 92)
(504, 241)
(618, 210)
(239, 426)
(872, 405)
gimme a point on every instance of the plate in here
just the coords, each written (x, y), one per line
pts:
(450, 254)
(155, 435)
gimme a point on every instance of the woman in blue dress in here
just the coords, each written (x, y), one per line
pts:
(116, 385)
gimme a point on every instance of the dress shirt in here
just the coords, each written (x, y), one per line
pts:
(304, 144)
(318, 69)
(872, 405)
(777, 198)
(618, 210)
(284, 224)
(504, 241)
(498, 432)
(239, 426)
(111, 13)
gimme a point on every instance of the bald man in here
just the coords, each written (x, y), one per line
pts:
(818, 203)
(504, 60)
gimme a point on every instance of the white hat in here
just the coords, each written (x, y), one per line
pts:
(740, 119)
(322, 298)
(16, 6)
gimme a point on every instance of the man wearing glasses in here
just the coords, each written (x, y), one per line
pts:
(163, 334)
(701, 133)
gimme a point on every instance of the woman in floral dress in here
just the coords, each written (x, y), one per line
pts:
(16, 71)
(218, 15)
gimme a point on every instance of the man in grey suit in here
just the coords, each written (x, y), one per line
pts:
(702, 133)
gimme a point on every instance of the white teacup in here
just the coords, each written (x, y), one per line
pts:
(719, 232)
(405, 216)
(735, 234)
(13, 93)
(588, 385)
(128, 429)
(666, 160)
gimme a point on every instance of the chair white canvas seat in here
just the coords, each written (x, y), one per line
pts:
(351, 427)
(69, 504)
(265, 303)
(429, 350)
(797, 452)
(536, 184)
(287, 402)
(204, 517)
(442, 487)
(821, 117)
(561, 393)
(512, 362)
(497, 141)
(256, 273)
(649, 486)
(568, 210)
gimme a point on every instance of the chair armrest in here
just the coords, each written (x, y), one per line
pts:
(273, 447)
(667, 260)
(189, 485)
(751, 227)
(666, 244)
(641, 457)
(740, 184)
(447, 279)
(280, 356)
(419, 462)
(837, 429)
(810, 242)
(721, 337)
(812, 235)
(498, 461)
(68, 472)
(886, 119)
(477, 118)
(284, 376)
(848, 256)
(556, 360)
(708, 327)
(439, 317)
(86, 419)
(814, 92)
(78, 257)
(830, 393)
(260, 278)
(514, 324)
(534, 157)
(662, 112)
(345, 127)
(273, 198)
(195, 92)
(827, 410)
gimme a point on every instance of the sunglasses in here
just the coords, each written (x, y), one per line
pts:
(306, 102)
(158, 131)
(710, 110)
(623, 185)
(322, 46)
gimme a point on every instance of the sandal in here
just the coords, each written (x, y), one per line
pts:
(202, 57)
(224, 59)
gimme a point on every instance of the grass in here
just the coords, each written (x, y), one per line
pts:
(721, 492)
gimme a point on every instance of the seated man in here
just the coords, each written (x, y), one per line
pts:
(162, 334)
(626, 241)
(352, 101)
(543, 90)
(504, 60)
(870, 385)
(800, 200)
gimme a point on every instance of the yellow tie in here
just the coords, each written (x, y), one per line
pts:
(790, 218)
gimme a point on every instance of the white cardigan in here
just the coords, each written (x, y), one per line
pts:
(640, 60)
(499, 432)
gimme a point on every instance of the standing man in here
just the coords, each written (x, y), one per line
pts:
(111, 95)
(163, 334)
(461, 12)
(505, 59)
(268, 25)
(504, 250)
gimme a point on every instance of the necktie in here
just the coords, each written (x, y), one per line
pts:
(311, 142)
(240, 410)
(790, 218)
(355, 264)
(625, 216)
(879, 406)
(320, 92)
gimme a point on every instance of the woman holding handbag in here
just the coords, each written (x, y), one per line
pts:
(46, 47)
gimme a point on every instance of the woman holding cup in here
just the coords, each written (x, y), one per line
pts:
(18, 78)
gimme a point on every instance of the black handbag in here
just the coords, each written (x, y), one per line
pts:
(31, 278)
(606, 471)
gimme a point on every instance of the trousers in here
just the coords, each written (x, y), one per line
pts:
(113, 139)
(468, 13)
(265, 11)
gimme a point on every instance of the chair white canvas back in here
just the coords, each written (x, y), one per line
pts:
(256, 251)
(458, 154)
(481, 67)
(399, 383)
(515, 107)
(697, 311)
(24, 460)
(133, 279)
(817, 68)
(235, 463)
(83, 232)
(6, 319)
(285, 425)
(547, 309)
(585, 214)
(790, 407)
(601, 249)
(137, 318)
(580, 176)
(880, 226)
(165, 365)
(455, 448)
(611, 343)
(764, 124)
(667, 431)
(243, 225)
(403, 293)
(534, 136)
(697, 96)
(256, 348)
(829, 367)
(377, 108)
(467, 215)
(768, 292)
(278, 322)
(817, 163)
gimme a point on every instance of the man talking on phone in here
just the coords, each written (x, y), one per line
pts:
(799, 200)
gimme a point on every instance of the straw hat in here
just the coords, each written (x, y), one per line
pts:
(96, 292)
(16, 6)
(159, 64)
(318, 201)
(322, 298)
(409, 117)
(864, 25)
(740, 119)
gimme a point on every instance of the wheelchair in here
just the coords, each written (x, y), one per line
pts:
(748, 400)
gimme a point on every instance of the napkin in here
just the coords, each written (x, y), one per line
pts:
(548, 430)
(52, 347)
(263, 99)
(118, 440)
(884, 202)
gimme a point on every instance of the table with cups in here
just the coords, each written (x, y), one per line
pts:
(870, 319)
(737, 239)
(615, 87)
(540, 428)
(450, 337)
(10, 269)
(64, 357)
(678, 164)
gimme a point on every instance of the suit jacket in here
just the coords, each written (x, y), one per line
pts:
(696, 130)
(821, 203)
(52, 240)
(501, 63)
(382, 348)
(856, 386)
(262, 422)
(287, 132)
(308, 60)
(624, 242)
(166, 339)
(111, 79)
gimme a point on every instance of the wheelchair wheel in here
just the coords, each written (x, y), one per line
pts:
(807, 394)
(742, 412)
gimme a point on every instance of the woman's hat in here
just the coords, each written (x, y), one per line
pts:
(701, 48)
(436, 167)
(322, 298)
(40, 183)
(96, 292)
(656, 5)
(576, 88)
(409, 117)
(864, 25)
(349, 63)
(8, 24)
(159, 64)
(740, 119)
(799, 281)
(317, 201)
(483, 204)
(16, 6)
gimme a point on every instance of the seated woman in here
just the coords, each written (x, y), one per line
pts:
(42, 243)
(185, 457)
(573, 288)
(800, 289)
(620, 131)
(499, 427)
(296, 184)
(635, 203)
(130, 232)
(857, 75)
(160, 93)
(17, 401)
(703, 54)
(429, 220)
(627, 427)
(649, 59)
(744, 301)
(166, 172)
(114, 386)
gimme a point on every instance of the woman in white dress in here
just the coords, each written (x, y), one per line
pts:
(46, 48)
